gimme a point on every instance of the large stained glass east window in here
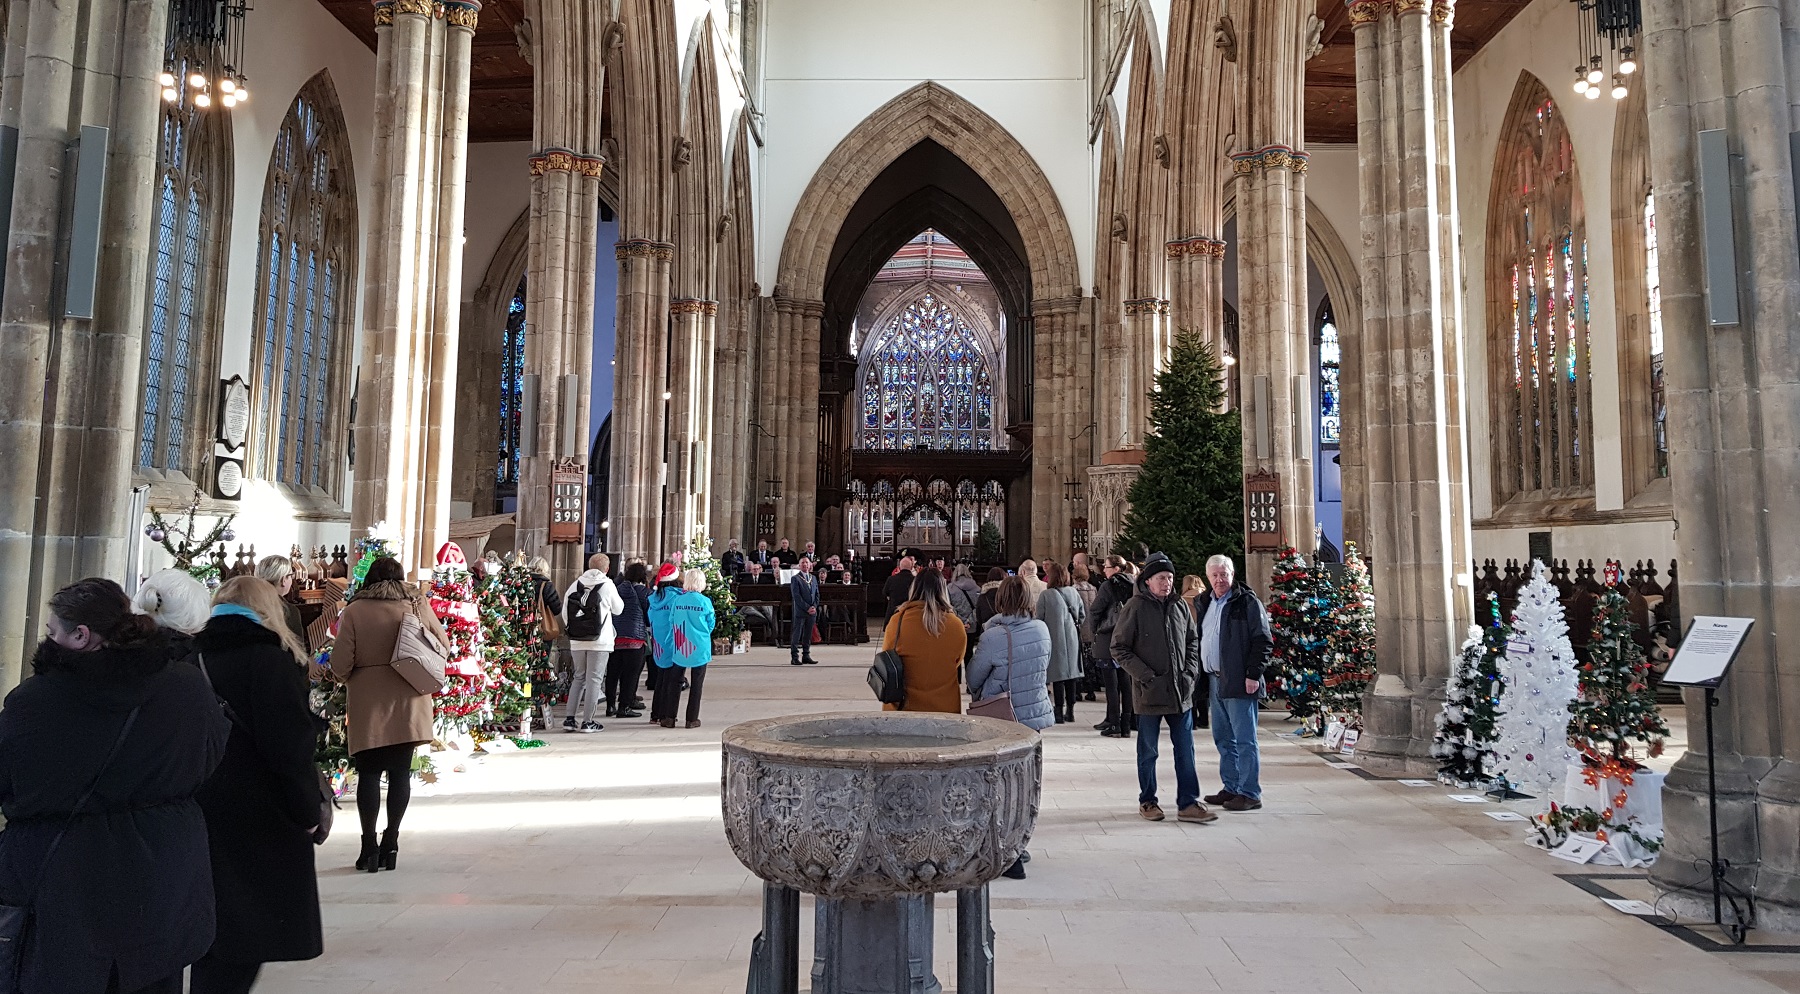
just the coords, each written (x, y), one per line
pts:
(927, 385)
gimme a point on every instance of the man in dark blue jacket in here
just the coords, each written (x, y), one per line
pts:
(1234, 651)
(804, 588)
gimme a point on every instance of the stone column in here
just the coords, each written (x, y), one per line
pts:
(733, 478)
(1061, 411)
(691, 382)
(70, 448)
(792, 368)
(1196, 285)
(639, 411)
(1411, 373)
(1733, 395)
(411, 302)
(1275, 346)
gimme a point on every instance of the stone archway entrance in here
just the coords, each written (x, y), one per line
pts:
(927, 159)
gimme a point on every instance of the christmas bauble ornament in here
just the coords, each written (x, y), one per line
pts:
(228, 536)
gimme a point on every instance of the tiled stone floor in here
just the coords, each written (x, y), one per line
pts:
(599, 864)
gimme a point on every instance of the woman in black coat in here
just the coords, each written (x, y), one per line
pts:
(125, 900)
(263, 802)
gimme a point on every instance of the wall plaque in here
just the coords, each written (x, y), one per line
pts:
(228, 446)
(1262, 512)
(568, 499)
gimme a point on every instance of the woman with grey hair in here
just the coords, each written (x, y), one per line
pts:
(179, 604)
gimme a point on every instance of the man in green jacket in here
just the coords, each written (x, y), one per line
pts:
(1156, 642)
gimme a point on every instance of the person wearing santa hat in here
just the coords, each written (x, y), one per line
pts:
(681, 627)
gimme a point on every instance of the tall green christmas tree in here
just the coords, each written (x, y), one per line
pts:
(1350, 642)
(1188, 500)
(1616, 713)
(506, 596)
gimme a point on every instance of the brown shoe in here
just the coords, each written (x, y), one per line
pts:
(1150, 812)
(1220, 798)
(1199, 814)
(1239, 802)
(666, 722)
(693, 722)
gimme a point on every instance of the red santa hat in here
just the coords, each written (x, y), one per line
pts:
(451, 554)
(668, 574)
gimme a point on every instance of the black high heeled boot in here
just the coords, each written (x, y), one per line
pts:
(367, 861)
(390, 849)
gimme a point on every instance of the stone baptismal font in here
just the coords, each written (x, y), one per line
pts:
(872, 814)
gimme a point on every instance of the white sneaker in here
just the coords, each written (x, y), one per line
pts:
(591, 726)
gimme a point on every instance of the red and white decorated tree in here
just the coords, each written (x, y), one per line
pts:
(464, 703)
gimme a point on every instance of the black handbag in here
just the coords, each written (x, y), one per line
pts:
(887, 678)
(15, 920)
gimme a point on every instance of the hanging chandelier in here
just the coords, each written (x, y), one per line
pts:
(204, 55)
(1606, 40)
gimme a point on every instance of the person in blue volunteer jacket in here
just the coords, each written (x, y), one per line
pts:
(681, 623)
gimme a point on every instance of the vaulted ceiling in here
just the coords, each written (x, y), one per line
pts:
(500, 78)
(1331, 75)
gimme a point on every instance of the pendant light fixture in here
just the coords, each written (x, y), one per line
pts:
(203, 57)
(1606, 37)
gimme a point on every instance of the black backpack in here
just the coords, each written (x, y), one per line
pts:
(584, 615)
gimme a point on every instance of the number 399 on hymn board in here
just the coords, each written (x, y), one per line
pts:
(1262, 512)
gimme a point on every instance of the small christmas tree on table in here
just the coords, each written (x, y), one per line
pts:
(698, 555)
(1350, 643)
(1464, 744)
(463, 703)
(1532, 738)
(1295, 670)
(190, 549)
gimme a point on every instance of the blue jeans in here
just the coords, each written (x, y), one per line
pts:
(1234, 733)
(1181, 742)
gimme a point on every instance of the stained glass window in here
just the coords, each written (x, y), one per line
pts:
(926, 384)
(1331, 417)
(192, 156)
(512, 376)
(1540, 306)
(308, 247)
(1653, 281)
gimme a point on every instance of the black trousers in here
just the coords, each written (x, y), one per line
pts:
(1064, 699)
(800, 635)
(623, 670)
(1117, 685)
(668, 692)
(211, 976)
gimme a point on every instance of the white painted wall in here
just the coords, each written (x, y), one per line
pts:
(499, 190)
(286, 44)
(831, 63)
(1539, 41)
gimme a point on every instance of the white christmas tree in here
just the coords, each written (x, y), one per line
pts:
(1531, 747)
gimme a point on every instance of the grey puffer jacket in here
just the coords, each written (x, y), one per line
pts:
(1024, 677)
(1061, 611)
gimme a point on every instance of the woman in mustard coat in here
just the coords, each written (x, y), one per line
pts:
(930, 640)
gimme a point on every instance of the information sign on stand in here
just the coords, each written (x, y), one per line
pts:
(568, 498)
(1262, 512)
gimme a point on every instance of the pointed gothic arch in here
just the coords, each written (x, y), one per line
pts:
(1539, 385)
(305, 289)
(185, 294)
(1638, 299)
(929, 111)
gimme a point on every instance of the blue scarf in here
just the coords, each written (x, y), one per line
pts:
(241, 611)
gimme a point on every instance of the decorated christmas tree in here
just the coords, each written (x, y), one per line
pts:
(463, 703)
(1464, 744)
(1616, 716)
(1295, 669)
(1188, 500)
(188, 545)
(1532, 750)
(507, 598)
(699, 556)
(1350, 642)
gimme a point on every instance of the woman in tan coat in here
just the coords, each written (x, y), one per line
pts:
(930, 640)
(387, 718)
